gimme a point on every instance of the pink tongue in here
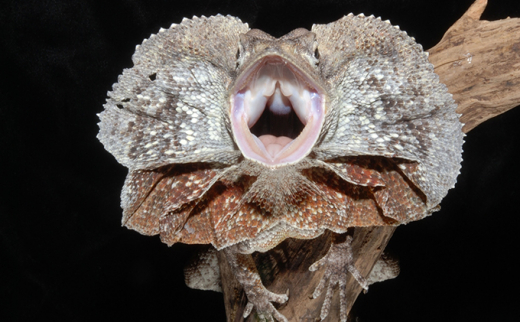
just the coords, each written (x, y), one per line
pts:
(273, 144)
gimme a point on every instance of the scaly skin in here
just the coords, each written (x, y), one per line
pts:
(381, 144)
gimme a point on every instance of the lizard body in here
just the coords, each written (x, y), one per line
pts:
(240, 140)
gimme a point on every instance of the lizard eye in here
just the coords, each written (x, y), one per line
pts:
(277, 113)
(237, 57)
(316, 53)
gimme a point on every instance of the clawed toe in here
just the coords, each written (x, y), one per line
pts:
(261, 299)
(337, 262)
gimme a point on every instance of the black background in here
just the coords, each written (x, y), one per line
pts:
(63, 253)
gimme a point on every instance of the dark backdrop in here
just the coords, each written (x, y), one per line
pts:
(63, 252)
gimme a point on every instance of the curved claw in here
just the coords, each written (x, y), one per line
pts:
(248, 309)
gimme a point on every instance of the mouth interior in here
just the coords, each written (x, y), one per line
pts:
(275, 128)
(277, 114)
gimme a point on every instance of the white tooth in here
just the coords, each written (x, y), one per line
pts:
(278, 103)
(268, 89)
(288, 89)
(301, 105)
(264, 82)
(254, 105)
(289, 83)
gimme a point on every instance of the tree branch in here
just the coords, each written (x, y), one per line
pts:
(479, 61)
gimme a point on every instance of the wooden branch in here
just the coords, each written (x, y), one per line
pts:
(479, 61)
(287, 266)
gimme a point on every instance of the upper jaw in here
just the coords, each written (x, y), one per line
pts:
(275, 85)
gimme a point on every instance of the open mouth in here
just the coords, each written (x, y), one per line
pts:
(276, 113)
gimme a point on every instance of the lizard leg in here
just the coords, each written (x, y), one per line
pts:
(202, 271)
(338, 262)
(258, 296)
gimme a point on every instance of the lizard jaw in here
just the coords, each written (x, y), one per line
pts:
(276, 87)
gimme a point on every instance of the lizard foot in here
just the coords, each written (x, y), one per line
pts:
(337, 262)
(258, 296)
(261, 299)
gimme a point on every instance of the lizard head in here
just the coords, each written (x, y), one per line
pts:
(278, 102)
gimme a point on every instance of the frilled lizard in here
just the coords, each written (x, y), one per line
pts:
(240, 140)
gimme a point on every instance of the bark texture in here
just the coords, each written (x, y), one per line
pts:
(479, 61)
